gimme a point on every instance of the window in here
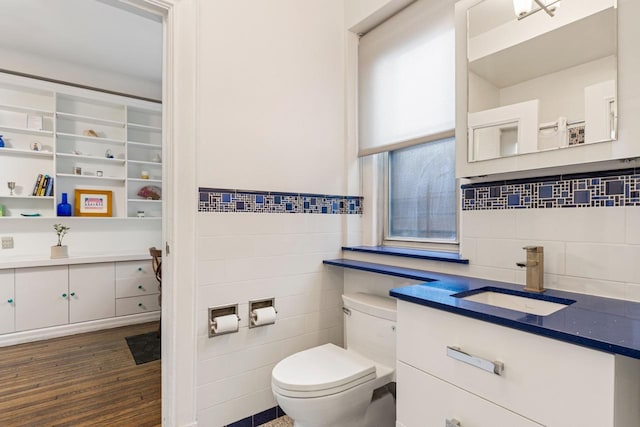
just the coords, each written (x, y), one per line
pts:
(422, 192)
(406, 109)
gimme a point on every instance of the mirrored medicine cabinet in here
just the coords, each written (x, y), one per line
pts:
(544, 80)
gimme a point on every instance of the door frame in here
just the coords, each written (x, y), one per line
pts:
(180, 196)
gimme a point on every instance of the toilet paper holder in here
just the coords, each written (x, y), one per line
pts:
(219, 311)
(256, 304)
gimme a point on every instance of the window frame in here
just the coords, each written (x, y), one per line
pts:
(415, 242)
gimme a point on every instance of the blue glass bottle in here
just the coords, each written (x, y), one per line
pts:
(1, 141)
(64, 208)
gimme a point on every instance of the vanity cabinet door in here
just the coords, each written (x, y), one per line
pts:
(539, 373)
(92, 292)
(41, 297)
(7, 301)
(424, 400)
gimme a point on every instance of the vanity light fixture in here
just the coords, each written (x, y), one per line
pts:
(524, 8)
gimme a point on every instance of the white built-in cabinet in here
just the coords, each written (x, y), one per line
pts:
(33, 298)
(7, 298)
(63, 122)
(137, 290)
(544, 382)
(42, 297)
(91, 292)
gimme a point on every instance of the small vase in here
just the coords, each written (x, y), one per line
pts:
(64, 208)
(59, 251)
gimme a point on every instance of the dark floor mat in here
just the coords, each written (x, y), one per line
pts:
(145, 347)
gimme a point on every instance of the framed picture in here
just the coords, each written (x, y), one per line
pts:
(93, 202)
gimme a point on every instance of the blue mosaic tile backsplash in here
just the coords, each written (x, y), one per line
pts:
(595, 189)
(225, 200)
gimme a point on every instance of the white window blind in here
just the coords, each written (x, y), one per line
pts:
(406, 78)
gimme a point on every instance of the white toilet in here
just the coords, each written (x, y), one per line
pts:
(330, 386)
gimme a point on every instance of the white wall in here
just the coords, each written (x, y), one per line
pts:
(271, 116)
(87, 236)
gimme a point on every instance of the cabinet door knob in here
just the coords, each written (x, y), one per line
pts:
(64, 295)
(140, 304)
(139, 268)
(452, 423)
(10, 301)
(139, 286)
(73, 294)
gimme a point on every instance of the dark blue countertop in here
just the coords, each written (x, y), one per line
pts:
(598, 323)
(409, 253)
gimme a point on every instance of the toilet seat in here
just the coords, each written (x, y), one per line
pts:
(321, 371)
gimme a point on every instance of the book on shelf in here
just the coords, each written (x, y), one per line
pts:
(43, 186)
(36, 187)
(49, 190)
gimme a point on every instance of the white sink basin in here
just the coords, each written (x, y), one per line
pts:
(514, 302)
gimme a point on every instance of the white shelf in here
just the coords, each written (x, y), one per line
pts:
(144, 201)
(27, 130)
(6, 196)
(144, 145)
(21, 109)
(67, 114)
(94, 159)
(144, 162)
(19, 152)
(144, 127)
(155, 181)
(91, 138)
(89, 119)
(99, 178)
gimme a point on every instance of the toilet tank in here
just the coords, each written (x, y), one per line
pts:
(370, 326)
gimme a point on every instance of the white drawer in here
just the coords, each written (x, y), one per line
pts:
(136, 305)
(135, 286)
(543, 379)
(424, 400)
(128, 269)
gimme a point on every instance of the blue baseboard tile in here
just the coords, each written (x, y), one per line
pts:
(245, 422)
(259, 418)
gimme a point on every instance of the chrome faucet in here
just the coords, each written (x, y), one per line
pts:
(535, 268)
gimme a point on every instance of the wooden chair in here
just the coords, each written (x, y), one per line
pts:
(156, 263)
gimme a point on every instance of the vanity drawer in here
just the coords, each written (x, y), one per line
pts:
(136, 305)
(135, 286)
(128, 269)
(424, 400)
(543, 379)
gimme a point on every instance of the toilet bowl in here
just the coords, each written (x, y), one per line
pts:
(333, 386)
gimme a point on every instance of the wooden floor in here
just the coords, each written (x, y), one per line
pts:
(82, 380)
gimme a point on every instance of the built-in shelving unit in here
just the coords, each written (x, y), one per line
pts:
(85, 140)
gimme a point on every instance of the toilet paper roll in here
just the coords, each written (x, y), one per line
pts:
(263, 316)
(222, 324)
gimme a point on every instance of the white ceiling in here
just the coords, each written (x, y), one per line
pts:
(101, 34)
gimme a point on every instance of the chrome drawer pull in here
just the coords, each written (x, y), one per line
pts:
(486, 365)
(452, 423)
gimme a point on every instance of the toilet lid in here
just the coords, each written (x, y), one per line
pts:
(322, 370)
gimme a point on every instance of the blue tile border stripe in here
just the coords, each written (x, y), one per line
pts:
(585, 190)
(227, 200)
(256, 420)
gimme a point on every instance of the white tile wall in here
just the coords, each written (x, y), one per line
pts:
(587, 250)
(242, 257)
